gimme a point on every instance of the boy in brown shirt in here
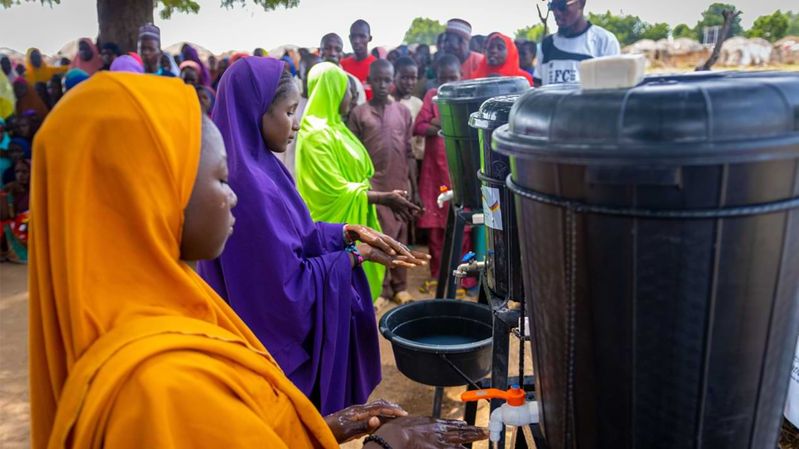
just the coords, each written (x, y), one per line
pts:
(385, 128)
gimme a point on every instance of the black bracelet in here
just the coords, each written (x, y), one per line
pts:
(379, 440)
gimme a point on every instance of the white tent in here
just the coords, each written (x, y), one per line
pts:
(174, 49)
(68, 50)
(14, 55)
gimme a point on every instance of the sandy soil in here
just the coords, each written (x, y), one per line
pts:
(14, 411)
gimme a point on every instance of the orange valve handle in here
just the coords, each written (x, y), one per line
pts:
(514, 396)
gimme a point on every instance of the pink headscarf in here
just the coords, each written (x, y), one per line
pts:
(191, 64)
(92, 65)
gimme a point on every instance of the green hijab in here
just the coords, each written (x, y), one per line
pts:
(333, 168)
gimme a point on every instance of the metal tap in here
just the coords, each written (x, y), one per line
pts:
(469, 266)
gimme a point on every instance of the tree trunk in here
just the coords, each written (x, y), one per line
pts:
(120, 21)
(729, 18)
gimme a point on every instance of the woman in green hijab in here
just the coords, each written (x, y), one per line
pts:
(333, 168)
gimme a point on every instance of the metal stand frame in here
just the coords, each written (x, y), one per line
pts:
(457, 220)
(505, 321)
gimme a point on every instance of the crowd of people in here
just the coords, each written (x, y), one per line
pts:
(141, 292)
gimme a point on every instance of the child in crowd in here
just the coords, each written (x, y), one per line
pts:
(502, 59)
(384, 127)
(405, 77)
(331, 49)
(14, 214)
(359, 63)
(435, 171)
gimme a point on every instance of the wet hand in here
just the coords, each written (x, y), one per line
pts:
(359, 420)
(376, 239)
(417, 432)
(372, 254)
(399, 202)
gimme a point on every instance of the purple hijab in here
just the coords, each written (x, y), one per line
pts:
(190, 54)
(287, 277)
(126, 63)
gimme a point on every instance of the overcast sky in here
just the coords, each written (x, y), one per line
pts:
(244, 28)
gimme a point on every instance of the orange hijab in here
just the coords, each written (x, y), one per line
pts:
(511, 65)
(31, 101)
(42, 74)
(128, 346)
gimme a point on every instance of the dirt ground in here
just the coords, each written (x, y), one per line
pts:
(14, 412)
(417, 399)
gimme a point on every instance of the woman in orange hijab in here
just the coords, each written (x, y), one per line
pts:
(129, 348)
(37, 70)
(502, 58)
(28, 100)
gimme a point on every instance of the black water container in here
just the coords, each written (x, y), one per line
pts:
(440, 342)
(456, 102)
(660, 247)
(503, 264)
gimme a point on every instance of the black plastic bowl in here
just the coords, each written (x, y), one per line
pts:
(433, 340)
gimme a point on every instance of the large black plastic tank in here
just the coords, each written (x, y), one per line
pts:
(503, 264)
(456, 102)
(660, 247)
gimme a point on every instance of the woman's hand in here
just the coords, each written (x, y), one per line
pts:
(359, 420)
(432, 130)
(376, 239)
(399, 202)
(376, 255)
(416, 432)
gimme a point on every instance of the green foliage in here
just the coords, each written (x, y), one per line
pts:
(793, 24)
(626, 28)
(712, 16)
(9, 3)
(683, 30)
(185, 6)
(656, 31)
(191, 6)
(630, 29)
(534, 33)
(771, 27)
(424, 31)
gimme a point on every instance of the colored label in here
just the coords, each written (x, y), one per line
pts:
(492, 208)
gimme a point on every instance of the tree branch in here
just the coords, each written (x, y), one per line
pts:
(544, 19)
(729, 18)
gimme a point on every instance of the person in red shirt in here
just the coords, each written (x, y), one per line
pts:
(456, 42)
(358, 64)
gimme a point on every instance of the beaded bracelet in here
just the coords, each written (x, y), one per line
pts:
(352, 249)
(377, 439)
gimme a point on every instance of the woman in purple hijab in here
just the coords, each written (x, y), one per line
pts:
(291, 280)
(189, 53)
(126, 63)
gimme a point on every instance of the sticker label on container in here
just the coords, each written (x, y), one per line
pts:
(492, 208)
(792, 407)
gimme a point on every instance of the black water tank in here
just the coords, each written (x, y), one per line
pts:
(660, 244)
(456, 102)
(503, 264)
